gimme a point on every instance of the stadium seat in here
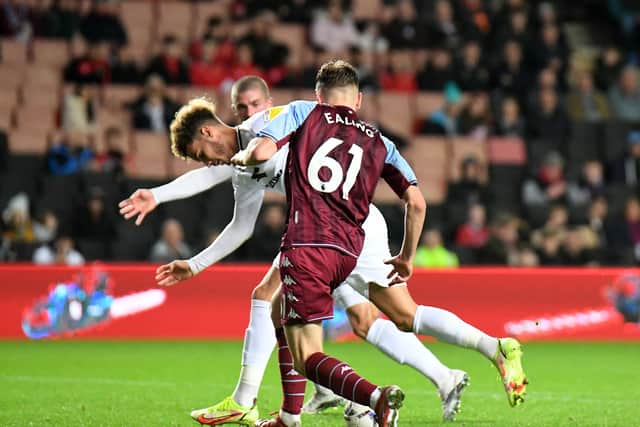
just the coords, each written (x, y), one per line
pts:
(283, 96)
(37, 117)
(13, 52)
(616, 134)
(138, 19)
(150, 156)
(178, 166)
(21, 175)
(117, 96)
(11, 77)
(506, 151)
(583, 145)
(6, 116)
(44, 77)
(429, 158)
(426, 103)
(395, 113)
(366, 9)
(505, 184)
(60, 194)
(218, 205)
(50, 53)
(133, 243)
(206, 10)
(295, 37)
(28, 140)
(176, 17)
(461, 148)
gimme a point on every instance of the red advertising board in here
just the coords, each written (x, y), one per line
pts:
(530, 303)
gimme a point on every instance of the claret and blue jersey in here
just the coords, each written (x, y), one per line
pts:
(335, 161)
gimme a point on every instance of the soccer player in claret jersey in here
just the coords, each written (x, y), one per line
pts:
(248, 95)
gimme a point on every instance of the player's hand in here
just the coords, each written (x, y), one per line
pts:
(402, 269)
(140, 203)
(172, 273)
(241, 158)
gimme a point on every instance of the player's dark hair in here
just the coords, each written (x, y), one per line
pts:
(185, 127)
(336, 74)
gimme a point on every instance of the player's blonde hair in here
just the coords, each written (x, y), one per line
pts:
(186, 124)
(248, 82)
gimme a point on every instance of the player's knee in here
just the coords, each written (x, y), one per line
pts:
(403, 321)
(262, 292)
(361, 318)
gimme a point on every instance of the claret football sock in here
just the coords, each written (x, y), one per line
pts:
(339, 377)
(447, 327)
(406, 349)
(259, 340)
(293, 384)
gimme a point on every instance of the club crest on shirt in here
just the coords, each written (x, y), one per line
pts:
(272, 113)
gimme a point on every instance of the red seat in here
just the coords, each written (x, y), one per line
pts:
(28, 140)
(150, 156)
(507, 151)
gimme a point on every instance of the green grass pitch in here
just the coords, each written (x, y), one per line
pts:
(73, 383)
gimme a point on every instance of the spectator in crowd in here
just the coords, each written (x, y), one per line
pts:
(69, 153)
(471, 73)
(474, 233)
(549, 247)
(579, 247)
(516, 28)
(62, 251)
(502, 246)
(208, 70)
(171, 246)
(627, 14)
(557, 221)
(78, 109)
(266, 238)
(444, 31)
(401, 76)
(549, 186)
(437, 72)
(510, 76)
(15, 20)
(585, 103)
(92, 67)
(45, 227)
(153, 110)
(333, 30)
(548, 123)
(266, 52)
(625, 95)
(17, 220)
(590, 185)
(597, 217)
(93, 222)
(444, 121)
(476, 18)
(510, 123)
(550, 51)
(124, 68)
(626, 169)
(526, 257)
(371, 38)
(102, 24)
(608, 67)
(244, 65)
(114, 157)
(405, 31)
(469, 189)
(364, 61)
(432, 254)
(475, 119)
(624, 235)
(61, 20)
(170, 63)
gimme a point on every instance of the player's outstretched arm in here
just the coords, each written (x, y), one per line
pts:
(259, 150)
(415, 211)
(143, 201)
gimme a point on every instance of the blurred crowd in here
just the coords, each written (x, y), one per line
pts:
(505, 68)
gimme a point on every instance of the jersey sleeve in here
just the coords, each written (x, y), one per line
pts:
(396, 170)
(278, 122)
(191, 183)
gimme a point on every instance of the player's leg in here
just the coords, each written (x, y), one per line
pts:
(258, 344)
(505, 353)
(403, 347)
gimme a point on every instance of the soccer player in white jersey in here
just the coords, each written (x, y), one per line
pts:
(444, 326)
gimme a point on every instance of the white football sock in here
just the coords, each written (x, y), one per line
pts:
(406, 349)
(259, 341)
(448, 327)
(375, 396)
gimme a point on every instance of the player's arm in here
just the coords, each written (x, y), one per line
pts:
(245, 214)
(143, 201)
(258, 150)
(404, 183)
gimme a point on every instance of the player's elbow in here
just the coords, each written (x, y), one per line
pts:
(415, 200)
(263, 151)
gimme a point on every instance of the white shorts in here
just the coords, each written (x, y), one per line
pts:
(370, 267)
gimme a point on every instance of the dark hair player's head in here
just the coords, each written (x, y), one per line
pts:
(197, 133)
(337, 83)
